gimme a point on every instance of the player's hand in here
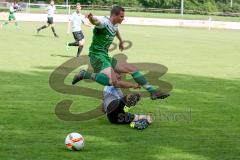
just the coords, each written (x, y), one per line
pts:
(89, 15)
(137, 86)
(67, 33)
(121, 47)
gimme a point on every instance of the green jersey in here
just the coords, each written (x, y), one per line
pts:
(103, 36)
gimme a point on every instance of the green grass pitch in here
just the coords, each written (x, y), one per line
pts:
(200, 121)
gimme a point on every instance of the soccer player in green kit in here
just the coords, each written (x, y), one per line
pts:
(11, 17)
(104, 66)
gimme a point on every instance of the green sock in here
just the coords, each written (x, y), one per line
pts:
(140, 79)
(102, 79)
(87, 75)
(98, 77)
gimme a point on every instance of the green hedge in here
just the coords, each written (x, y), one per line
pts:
(200, 6)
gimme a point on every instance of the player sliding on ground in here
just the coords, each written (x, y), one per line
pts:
(104, 66)
(50, 11)
(11, 16)
(76, 20)
(116, 106)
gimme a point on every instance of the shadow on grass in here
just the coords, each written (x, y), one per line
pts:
(40, 35)
(213, 132)
(59, 55)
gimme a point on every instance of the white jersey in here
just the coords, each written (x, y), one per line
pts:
(111, 93)
(51, 10)
(76, 19)
(11, 9)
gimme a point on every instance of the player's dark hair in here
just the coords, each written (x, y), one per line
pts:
(116, 10)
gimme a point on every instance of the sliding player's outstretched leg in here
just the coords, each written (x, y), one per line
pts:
(117, 107)
(132, 99)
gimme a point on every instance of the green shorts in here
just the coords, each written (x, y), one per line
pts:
(11, 17)
(101, 61)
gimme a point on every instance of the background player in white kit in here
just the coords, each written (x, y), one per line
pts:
(75, 21)
(50, 11)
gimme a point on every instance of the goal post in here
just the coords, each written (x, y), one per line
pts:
(27, 7)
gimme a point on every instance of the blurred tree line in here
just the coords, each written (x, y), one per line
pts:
(199, 5)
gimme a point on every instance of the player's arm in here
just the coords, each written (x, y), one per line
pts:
(14, 9)
(124, 84)
(87, 23)
(121, 47)
(93, 20)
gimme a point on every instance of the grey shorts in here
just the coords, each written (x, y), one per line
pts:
(78, 36)
(50, 20)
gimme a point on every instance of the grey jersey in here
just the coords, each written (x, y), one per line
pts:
(51, 10)
(11, 9)
(111, 93)
(76, 19)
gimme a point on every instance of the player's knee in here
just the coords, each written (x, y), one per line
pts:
(113, 82)
(126, 67)
(81, 43)
(132, 68)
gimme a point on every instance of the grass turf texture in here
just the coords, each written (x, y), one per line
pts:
(203, 68)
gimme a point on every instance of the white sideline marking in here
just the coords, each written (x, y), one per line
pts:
(134, 21)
